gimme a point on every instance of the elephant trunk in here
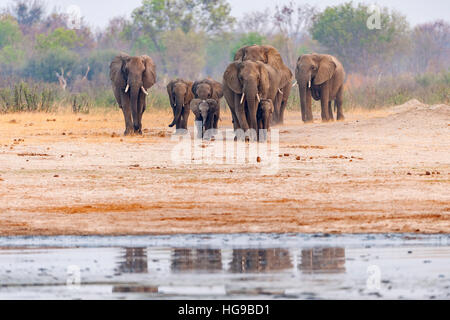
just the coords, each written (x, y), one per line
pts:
(305, 99)
(135, 91)
(179, 104)
(251, 96)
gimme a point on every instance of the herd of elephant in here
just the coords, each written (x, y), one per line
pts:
(256, 87)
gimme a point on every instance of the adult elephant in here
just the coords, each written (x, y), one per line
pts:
(320, 76)
(207, 89)
(269, 55)
(245, 84)
(131, 77)
(180, 96)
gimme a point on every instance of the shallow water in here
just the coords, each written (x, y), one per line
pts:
(258, 266)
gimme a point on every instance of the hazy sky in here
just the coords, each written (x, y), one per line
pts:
(98, 12)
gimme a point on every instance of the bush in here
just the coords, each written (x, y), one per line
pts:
(23, 97)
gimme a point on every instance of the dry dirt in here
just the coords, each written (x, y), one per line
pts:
(376, 172)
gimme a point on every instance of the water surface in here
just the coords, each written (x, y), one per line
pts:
(257, 266)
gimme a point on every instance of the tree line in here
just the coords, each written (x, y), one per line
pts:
(197, 38)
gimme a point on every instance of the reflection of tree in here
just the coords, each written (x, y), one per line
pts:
(323, 260)
(196, 260)
(135, 261)
(260, 260)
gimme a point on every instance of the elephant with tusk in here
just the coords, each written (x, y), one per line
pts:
(321, 77)
(245, 85)
(131, 77)
(270, 56)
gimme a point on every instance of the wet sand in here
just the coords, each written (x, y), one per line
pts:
(377, 172)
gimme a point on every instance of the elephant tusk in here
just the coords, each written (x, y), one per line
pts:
(309, 84)
(257, 97)
(242, 99)
(127, 88)
(144, 91)
(295, 83)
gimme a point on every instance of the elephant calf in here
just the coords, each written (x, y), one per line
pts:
(264, 117)
(207, 112)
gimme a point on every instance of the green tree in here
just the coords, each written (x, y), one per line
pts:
(10, 32)
(154, 18)
(343, 31)
(59, 38)
(185, 53)
(44, 65)
(247, 39)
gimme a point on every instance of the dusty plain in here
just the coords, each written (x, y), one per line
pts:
(376, 172)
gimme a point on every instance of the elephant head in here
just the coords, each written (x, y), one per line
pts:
(131, 78)
(180, 95)
(207, 89)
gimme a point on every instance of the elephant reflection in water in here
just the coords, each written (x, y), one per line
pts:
(323, 260)
(260, 260)
(184, 260)
(135, 261)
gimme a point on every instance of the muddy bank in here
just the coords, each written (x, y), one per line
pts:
(376, 172)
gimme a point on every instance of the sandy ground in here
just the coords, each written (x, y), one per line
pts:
(376, 172)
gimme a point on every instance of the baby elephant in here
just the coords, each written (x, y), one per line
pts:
(264, 117)
(208, 113)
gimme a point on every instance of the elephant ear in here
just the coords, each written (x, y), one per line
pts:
(273, 57)
(240, 54)
(195, 107)
(326, 70)
(189, 93)
(116, 69)
(212, 103)
(231, 78)
(149, 76)
(170, 92)
(194, 87)
(286, 77)
(264, 81)
(217, 90)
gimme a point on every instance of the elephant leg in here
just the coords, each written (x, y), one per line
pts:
(240, 114)
(276, 108)
(185, 117)
(141, 109)
(253, 124)
(308, 108)
(338, 102)
(324, 103)
(284, 102)
(126, 109)
(199, 126)
(330, 110)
